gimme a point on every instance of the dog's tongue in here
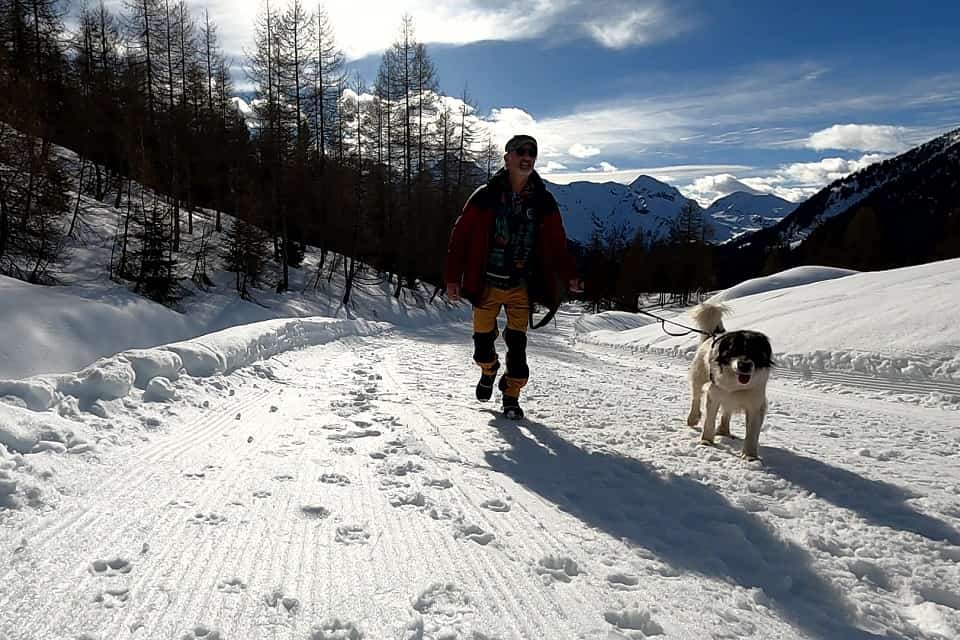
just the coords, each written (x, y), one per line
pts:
(743, 378)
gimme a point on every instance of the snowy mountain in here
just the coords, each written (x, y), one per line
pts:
(645, 204)
(650, 205)
(899, 212)
(743, 212)
(908, 183)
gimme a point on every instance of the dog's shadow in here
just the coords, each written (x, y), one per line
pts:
(878, 502)
(685, 524)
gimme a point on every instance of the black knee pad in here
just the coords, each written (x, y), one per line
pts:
(483, 349)
(516, 354)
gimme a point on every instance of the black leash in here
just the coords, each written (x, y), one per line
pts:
(663, 325)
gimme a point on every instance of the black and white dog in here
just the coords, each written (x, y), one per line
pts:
(731, 369)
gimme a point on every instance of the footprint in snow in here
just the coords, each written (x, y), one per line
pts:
(182, 504)
(335, 629)
(212, 519)
(283, 478)
(233, 585)
(107, 568)
(113, 598)
(352, 534)
(634, 619)
(353, 434)
(335, 478)
(276, 600)
(559, 568)
(496, 505)
(261, 494)
(439, 483)
(623, 581)
(195, 475)
(202, 632)
(315, 511)
(413, 499)
(474, 533)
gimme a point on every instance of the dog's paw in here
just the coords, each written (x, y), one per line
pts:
(706, 443)
(725, 433)
(693, 419)
(749, 456)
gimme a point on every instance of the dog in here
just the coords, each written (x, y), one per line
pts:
(731, 369)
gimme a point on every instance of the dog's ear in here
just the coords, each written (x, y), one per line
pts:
(759, 349)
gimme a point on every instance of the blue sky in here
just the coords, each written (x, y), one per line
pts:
(709, 95)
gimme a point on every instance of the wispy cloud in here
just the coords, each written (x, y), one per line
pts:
(364, 27)
(674, 174)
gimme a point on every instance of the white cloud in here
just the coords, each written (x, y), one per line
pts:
(795, 182)
(707, 189)
(606, 167)
(582, 151)
(632, 27)
(364, 27)
(860, 137)
(551, 166)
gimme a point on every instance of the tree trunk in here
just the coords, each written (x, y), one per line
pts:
(76, 206)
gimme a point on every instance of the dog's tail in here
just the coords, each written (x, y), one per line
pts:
(709, 318)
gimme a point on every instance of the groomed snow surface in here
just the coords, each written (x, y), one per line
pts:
(320, 478)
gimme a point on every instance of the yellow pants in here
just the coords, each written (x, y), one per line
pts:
(516, 302)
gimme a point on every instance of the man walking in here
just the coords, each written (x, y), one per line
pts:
(508, 249)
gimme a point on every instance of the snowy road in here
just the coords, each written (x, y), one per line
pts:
(356, 488)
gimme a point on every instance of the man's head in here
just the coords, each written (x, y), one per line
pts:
(521, 155)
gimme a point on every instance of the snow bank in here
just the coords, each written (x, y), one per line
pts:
(154, 369)
(783, 280)
(610, 321)
(898, 323)
(51, 330)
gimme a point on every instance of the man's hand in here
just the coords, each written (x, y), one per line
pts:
(453, 291)
(575, 285)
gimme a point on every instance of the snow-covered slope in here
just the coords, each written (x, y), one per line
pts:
(743, 212)
(898, 323)
(646, 205)
(914, 181)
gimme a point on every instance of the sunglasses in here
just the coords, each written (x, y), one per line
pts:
(530, 152)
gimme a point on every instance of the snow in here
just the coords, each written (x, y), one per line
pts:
(783, 280)
(296, 469)
(646, 205)
(897, 323)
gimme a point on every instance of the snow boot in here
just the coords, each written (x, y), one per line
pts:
(485, 387)
(511, 408)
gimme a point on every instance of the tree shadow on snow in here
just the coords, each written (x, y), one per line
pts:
(878, 502)
(682, 522)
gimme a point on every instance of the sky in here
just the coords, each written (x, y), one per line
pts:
(711, 97)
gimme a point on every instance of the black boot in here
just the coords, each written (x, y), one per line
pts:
(485, 386)
(511, 408)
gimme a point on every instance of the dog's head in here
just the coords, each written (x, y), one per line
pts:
(743, 355)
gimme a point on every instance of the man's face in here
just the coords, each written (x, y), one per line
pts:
(520, 161)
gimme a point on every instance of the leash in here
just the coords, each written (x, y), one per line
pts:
(689, 330)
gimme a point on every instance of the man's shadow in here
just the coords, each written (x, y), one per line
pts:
(683, 522)
(878, 502)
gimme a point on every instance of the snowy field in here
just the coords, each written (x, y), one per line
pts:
(320, 478)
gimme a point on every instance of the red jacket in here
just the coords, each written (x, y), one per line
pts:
(469, 244)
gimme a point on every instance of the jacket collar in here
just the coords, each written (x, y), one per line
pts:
(501, 182)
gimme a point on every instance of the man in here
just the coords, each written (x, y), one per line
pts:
(508, 249)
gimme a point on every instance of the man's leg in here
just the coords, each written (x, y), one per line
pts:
(484, 335)
(518, 317)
